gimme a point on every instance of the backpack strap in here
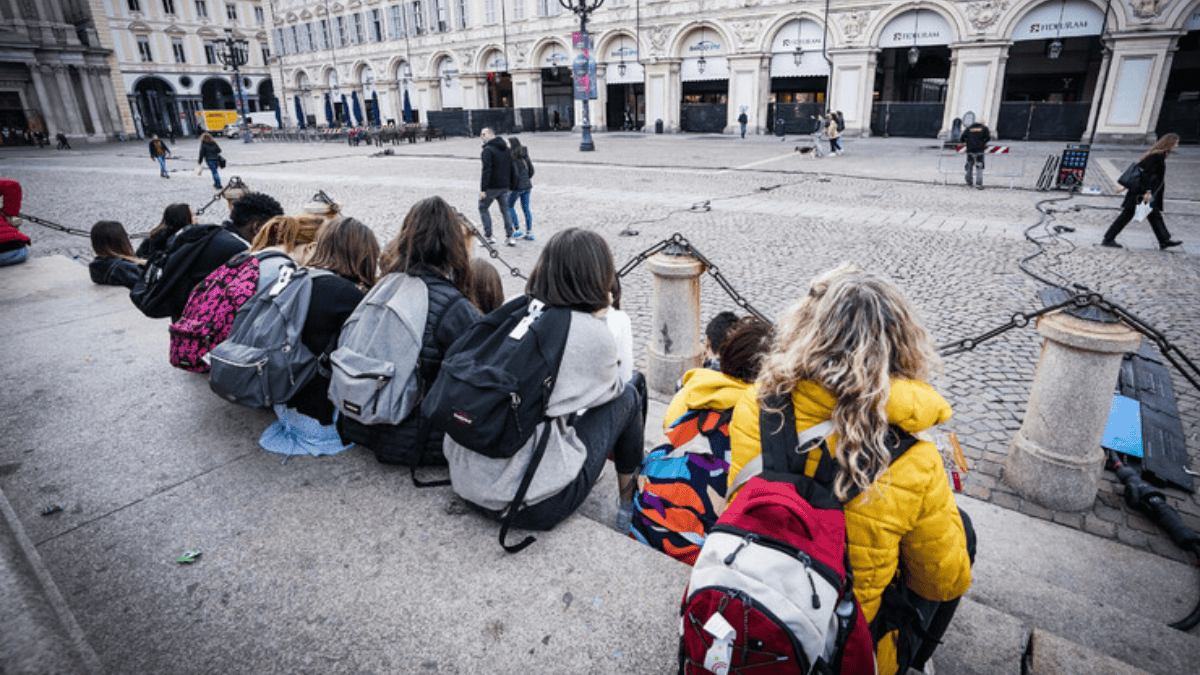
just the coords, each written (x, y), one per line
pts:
(534, 461)
(806, 440)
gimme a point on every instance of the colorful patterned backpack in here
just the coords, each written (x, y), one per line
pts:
(681, 485)
(208, 316)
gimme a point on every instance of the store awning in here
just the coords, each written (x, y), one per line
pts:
(919, 27)
(1068, 18)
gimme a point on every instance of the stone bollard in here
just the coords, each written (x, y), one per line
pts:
(675, 345)
(1056, 459)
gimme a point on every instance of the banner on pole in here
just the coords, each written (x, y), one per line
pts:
(584, 66)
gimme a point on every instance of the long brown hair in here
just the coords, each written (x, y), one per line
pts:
(110, 240)
(487, 290)
(288, 233)
(850, 335)
(348, 248)
(206, 138)
(432, 238)
(175, 217)
(1165, 145)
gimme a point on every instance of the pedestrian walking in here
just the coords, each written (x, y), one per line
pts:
(522, 173)
(1149, 190)
(556, 121)
(976, 138)
(160, 152)
(841, 127)
(742, 120)
(63, 143)
(210, 154)
(496, 180)
(831, 130)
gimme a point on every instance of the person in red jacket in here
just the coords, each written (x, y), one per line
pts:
(14, 245)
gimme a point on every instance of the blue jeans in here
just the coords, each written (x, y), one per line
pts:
(523, 195)
(616, 427)
(162, 164)
(14, 257)
(213, 165)
(500, 196)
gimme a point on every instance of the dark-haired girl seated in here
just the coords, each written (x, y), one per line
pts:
(114, 264)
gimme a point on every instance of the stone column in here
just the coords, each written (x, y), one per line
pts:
(474, 92)
(86, 75)
(1056, 459)
(749, 88)
(851, 87)
(1137, 73)
(664, 94)
(599, 105)
(976, 83)
(527, 88)
(45, 103)
(675, 346)
(70, 106)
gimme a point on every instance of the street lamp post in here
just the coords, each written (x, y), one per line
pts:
(584, 8)
(234, 54)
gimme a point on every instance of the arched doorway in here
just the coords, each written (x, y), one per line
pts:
(217, 94)
(450, 84)
(704, 77)
(499, 81)
(626, 82)
(911, 75)
(558, 96)
(1181, 101)
(266, 95)
(1051, 73)
(156, 106)
(799, 77)
(407, 104)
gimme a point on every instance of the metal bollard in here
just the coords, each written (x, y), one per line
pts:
(1056, 459)
(675, 346)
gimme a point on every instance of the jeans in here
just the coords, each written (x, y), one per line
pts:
(522, 195)
(162, 164)
(498, 195)
(213, 165)
(616, 427)
(743, 125)
(975, 161)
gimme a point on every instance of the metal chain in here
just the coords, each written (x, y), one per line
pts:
(492, 252)
(54, 226)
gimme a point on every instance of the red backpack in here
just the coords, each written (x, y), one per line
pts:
(208, 316)
(772, 591)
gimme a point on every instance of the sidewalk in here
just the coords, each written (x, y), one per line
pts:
(339, 565)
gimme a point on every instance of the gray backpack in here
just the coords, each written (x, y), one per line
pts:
(376, 377)
(263, 361)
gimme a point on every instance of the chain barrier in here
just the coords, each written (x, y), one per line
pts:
(493, 253)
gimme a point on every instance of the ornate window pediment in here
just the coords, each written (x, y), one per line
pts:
(175, 31)
(207, 32)
(306, 15)
(139, 27)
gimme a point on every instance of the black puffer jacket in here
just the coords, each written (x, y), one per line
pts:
(114, 271)
(450, 315)
(497, 166)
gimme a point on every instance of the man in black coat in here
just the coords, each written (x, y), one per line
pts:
(494, 184)
(976, 137)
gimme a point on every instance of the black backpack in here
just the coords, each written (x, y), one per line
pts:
(161, 292)
(491, 392)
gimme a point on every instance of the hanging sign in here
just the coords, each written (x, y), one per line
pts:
(703, 58)
(552, 57)
(623, 68)
(804, 34)
(584, 66)
(1069, 18)
(922, 28)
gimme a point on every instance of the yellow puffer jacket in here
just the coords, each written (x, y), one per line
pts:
(704, 389)
(909, 514)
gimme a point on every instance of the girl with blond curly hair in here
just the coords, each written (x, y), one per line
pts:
(854, 352)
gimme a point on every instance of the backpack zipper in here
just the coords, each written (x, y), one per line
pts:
(747, 601)
(809, 562)
(803, 557)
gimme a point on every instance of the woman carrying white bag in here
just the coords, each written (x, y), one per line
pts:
(1145, 201)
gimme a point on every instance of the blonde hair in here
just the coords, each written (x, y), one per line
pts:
(288, 233)
(851, 334)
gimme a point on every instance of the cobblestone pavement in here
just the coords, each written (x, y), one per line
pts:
(773, 220)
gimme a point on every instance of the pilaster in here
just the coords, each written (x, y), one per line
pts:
(851, 87)
(976, 82)
(749, 88)
(664, 92)
(1136, 73)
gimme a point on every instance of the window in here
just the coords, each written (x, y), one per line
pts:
(177, 47)
(266, 51)
(324, 33)
(135, 5)
(418, 15)
(443, 15)
(548, 7)
(231, 11)
(377, 25)
(144, 48)
(462, 14)
(202, 8)
(518, 7)
(339, 40)
(258, 15)
(397, 21)
(168, 6)
(489, 12)
(210, 52)
(293, 40)
(358, 28)
(310, 38)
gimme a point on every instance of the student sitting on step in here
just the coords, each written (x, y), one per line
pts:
(114, 264)
(853, 351)
(575, 271)
(487, 291)
(293, 236)
(174, 218)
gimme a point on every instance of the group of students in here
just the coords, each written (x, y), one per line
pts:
(851, 351)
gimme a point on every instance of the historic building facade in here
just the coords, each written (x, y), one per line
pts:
(167, 53)
(55, 73)
(1038, 69)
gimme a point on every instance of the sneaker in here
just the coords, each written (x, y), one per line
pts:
(1109, 243)
(624, 516)
(509, 241)
(529, 235)
(979, 186)
(491, 240)
(1169, 243)
(517, 234)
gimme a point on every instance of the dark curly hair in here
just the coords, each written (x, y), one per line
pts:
(253, 209)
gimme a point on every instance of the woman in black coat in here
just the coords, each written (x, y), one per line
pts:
(1149, 189)
(210, 153)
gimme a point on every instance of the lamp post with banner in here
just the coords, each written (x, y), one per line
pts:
(584, 64)
(234, 54)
